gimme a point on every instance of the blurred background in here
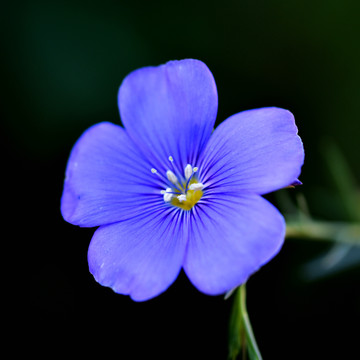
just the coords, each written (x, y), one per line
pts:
(62, 63)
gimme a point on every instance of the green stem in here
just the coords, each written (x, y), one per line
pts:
(241, 336)
(251, 342)
(340, 232)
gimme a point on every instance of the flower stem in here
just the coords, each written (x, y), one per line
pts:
(250, 338)
(242, 341)
(241, 333)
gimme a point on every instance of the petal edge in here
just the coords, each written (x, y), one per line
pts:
(170, 110)
(256, 151)
(232, 237)
(140, 257)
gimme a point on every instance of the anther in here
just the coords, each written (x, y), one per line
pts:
(195, 169)
(181, 198)
(171, 158)
(172, 177)
(188, 171)
(154, 171)
(197, 186)
(168, 195)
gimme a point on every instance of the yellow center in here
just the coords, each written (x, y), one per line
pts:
(192, 197)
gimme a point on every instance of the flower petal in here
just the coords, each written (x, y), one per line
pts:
(257, 151)
(107, 179)
(170, 110)
(230, 238)
(140, 257)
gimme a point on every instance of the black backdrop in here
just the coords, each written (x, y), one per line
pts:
(61, 66)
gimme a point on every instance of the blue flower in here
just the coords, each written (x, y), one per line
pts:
(168, 194)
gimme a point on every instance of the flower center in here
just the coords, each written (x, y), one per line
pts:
(182, 191)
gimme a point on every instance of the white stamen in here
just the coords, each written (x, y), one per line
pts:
(171, 158)
(162, 192)
(154, 171)
(172, 177)
(181, 197)
(198, 186)
(188, 171)
(167, 195)
(195, 169)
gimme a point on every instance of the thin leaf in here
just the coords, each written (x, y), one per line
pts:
(341, 257)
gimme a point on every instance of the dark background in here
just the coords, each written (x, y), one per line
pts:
(61, 66)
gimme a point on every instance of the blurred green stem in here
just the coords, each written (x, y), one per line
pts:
(340, 232)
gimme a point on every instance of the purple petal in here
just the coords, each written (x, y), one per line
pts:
(170, 110)
(256, 151)
(140, 257)
(107, 180)
(230, 238)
